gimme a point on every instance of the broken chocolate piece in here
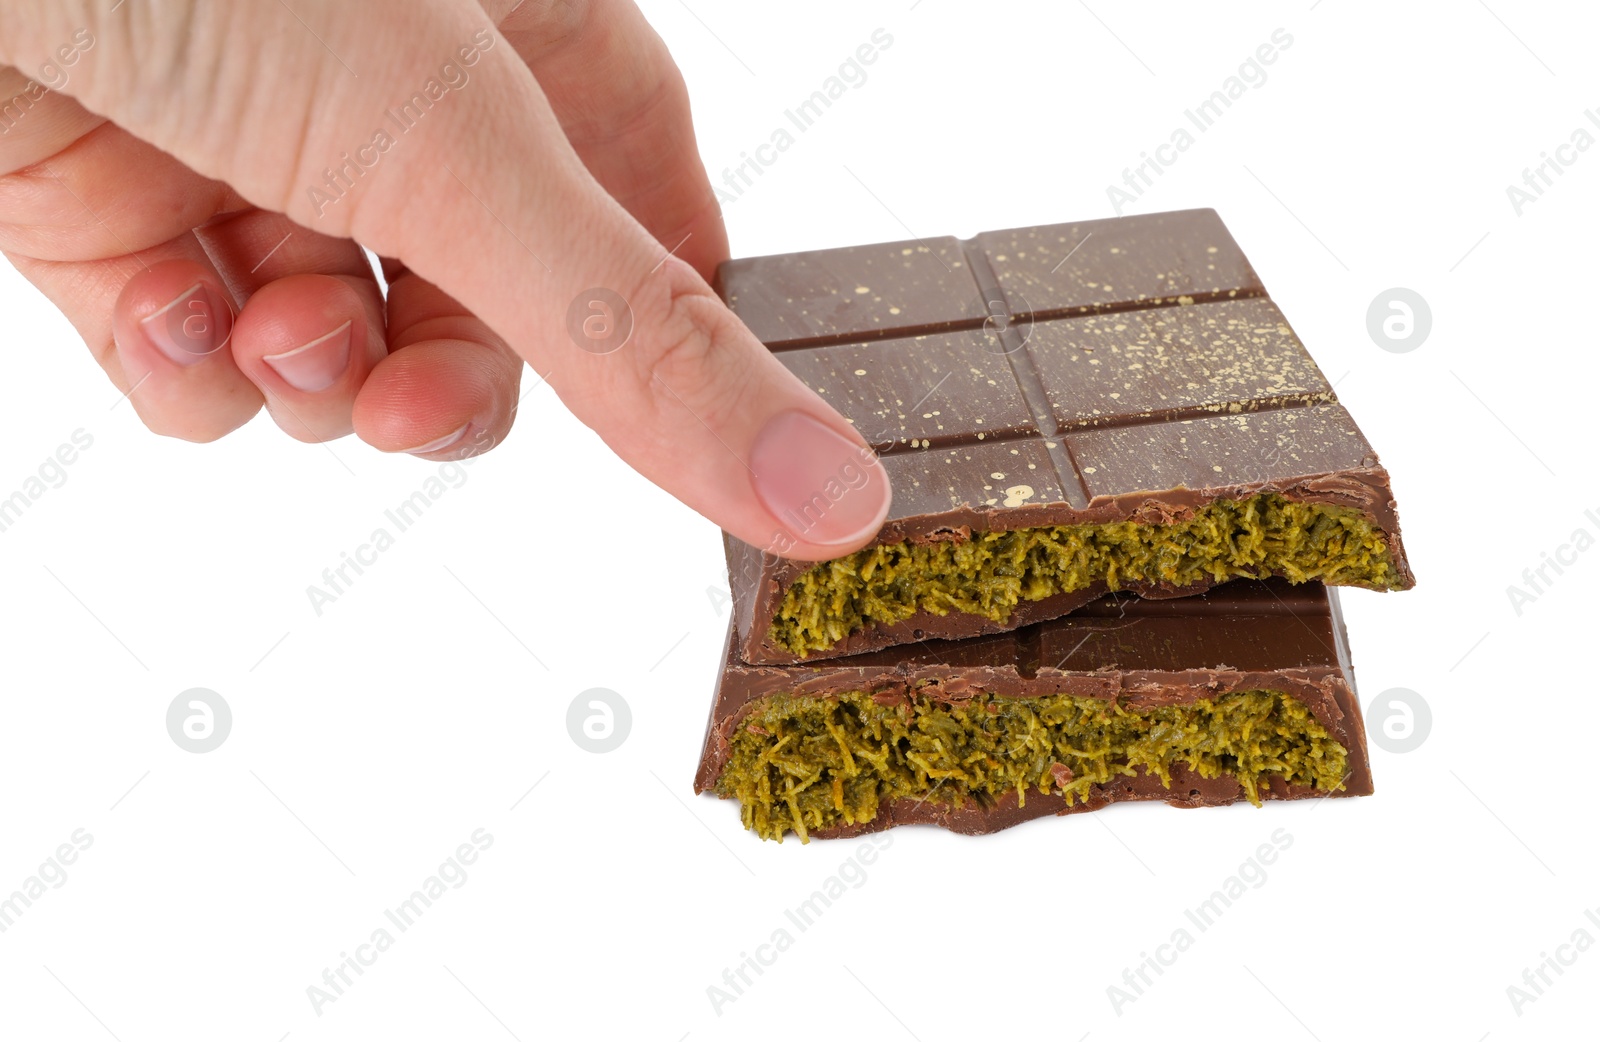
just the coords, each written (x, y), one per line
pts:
(1242, 693)
(1062, 411)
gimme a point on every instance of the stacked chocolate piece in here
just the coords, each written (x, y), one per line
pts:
(1123, 492)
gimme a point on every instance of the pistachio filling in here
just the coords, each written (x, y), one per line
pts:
(803, 764)
(989, 574)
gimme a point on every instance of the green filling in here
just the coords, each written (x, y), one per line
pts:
(803, 764)
(990, 573)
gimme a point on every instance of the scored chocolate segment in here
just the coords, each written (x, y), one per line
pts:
(1166, 381)
(1236, 450)
(1118, 263)
(1244, 635)
(856, 292)
(1164, 363)
(970, 389)
(927, 285)
(970, 481)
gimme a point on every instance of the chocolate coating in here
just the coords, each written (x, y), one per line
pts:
(1124, 369)
(853, 293)
(1240, 636)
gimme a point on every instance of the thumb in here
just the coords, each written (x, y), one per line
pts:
(415, 129)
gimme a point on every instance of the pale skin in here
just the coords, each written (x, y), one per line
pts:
(178, 172)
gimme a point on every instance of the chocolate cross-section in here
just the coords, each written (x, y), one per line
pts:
(1243, 692)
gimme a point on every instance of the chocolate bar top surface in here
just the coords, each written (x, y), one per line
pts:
(899, 289)
(1242, 635)
(1123, 369)
(1073, 364)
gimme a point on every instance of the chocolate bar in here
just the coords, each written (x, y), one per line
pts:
(1244, 692)
(1062, 411)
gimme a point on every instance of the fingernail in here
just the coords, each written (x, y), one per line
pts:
(317, 365)
(440, 444)
(194, 325)
(821, 486)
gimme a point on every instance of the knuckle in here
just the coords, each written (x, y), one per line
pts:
(701, 351)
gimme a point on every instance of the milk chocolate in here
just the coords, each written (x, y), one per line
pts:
(1123, 369)
(1240, 636)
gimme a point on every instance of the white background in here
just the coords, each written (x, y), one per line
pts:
(370, 741)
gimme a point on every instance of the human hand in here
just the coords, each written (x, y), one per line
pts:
(165, 166)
